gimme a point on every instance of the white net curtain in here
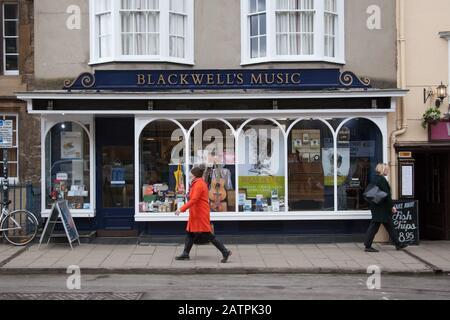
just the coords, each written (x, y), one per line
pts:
(331, 17)
(177, 31)
(140, 27)
(103, 20)
(295, 27)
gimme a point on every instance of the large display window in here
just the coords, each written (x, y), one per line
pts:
(359, 150)
(261, 168)
(311, 166)
(212, 144)
(67, 163)
(162, 161)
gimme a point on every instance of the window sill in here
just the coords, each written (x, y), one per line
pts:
(11, 73)
(291, 59)
(261, 216)
(75, 213)
(142, 60)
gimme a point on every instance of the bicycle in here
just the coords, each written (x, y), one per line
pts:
(19, 227)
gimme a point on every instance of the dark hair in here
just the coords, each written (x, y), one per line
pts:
(198, 171)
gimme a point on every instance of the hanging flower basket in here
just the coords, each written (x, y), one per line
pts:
(431, 116)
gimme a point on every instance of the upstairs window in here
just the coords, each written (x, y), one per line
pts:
(292, 30)
(142, 31)
(10, 35)
(258, 31)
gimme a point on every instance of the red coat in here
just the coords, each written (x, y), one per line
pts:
(198, 205)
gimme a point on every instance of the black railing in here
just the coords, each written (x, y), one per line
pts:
(24, 196)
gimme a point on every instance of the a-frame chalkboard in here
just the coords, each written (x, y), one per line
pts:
(60, 213)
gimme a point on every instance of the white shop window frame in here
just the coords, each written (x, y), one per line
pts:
(47, 123)
(319, 36)
(15, 179)
(141, 122)
(164, 56)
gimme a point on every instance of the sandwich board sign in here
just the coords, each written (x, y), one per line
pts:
(6, 133)
(60, 214)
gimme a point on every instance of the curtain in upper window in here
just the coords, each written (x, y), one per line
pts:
(177, 32)
(331, 19)
(140, 27)
(295, 27)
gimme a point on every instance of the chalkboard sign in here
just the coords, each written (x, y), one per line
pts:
(60, 210)
(406, 221)
(68, 223)
(49, 225)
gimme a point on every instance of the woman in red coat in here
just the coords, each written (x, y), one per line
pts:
(199, 215)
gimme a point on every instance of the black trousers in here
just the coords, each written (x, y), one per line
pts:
(373, 229)
(189, 242)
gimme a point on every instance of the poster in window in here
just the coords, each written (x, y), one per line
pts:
(343, 165)
(71, 146)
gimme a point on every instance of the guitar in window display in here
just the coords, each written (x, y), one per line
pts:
(217, 192)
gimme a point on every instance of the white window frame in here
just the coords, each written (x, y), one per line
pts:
(12, 179)
(319, 36)
(164, 56)
(47, 123)
(257, 13)
(336, 42)
(4, 37)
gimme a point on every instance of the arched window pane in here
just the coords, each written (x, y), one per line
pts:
(261, 167)
(310, 167)
(360, 149)
(67, 165)
(162, 176)
(212, 144)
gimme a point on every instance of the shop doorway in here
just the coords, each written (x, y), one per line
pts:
(432, 181)
(115, 177)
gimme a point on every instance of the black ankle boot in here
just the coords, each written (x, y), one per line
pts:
(183, 256)
(226, 256)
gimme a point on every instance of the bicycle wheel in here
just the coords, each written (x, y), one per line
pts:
(22, 226)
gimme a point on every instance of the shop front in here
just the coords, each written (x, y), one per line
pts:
(285, 153)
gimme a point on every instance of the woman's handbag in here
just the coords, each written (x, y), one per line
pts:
(374, 195)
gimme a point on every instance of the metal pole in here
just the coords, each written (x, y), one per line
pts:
(5, 176)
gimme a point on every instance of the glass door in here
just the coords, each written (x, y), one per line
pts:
(115, 176)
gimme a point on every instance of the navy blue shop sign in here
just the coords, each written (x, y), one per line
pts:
(154, 80)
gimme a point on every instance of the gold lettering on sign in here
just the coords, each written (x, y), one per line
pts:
(266, 78)
(150, 80)
(197, 78)
(183, 79)
(295, 76)
(280, 79)
(210, 79)
(240, 78)
(161, 80)
(172, 82)
(140, 79)
(229, 80)
(256, 79)
(219, 80)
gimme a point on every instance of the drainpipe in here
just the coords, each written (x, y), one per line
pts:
(401, 122)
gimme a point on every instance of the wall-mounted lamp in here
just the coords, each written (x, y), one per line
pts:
(441, 94)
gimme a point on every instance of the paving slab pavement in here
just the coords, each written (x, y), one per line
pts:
(343, 258)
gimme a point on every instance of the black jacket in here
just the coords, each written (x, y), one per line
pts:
(382, 212)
